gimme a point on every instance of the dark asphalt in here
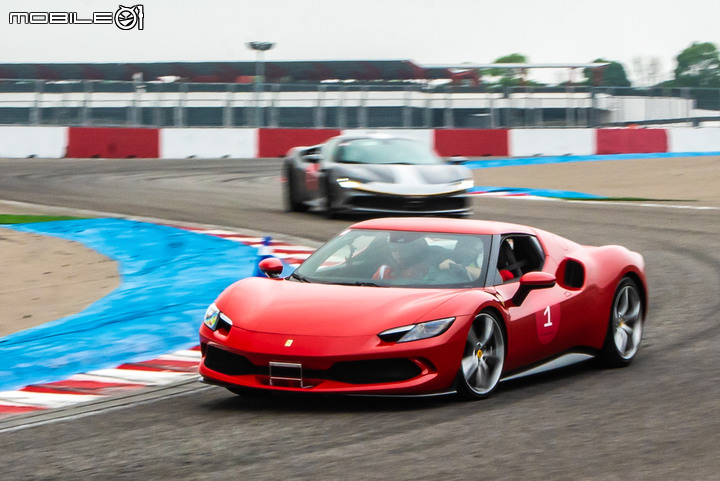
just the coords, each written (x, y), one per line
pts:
(657, 419)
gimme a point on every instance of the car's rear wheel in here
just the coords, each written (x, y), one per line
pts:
(625, 326)
(483, 358)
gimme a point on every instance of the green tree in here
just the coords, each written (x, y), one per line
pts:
(509, 76)
(698, 66)
(612, 75)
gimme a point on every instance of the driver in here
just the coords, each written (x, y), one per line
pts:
(467, 255)
(406, 260)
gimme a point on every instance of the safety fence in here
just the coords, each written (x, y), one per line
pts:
(344, 105)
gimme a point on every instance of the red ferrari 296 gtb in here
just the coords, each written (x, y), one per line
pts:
(413, 306)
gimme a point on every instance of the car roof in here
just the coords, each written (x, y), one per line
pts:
(437, 224)
(374, 135)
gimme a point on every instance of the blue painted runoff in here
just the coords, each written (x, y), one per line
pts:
(554, 194)
(561, 194)
(515, 162)
(168, 278)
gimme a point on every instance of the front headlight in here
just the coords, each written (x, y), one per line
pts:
(346, 183)
(466, 184)
(415, 332)
(214, 319)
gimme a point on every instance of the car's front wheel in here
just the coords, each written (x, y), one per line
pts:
(330, 210)
(290, 194)
(483, 358)
(625, 326)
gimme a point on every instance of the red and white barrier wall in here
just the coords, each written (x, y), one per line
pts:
(536, 142)
(208, 143)
(102, 142)
(24, 142)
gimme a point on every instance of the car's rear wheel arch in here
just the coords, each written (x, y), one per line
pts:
(633, 276)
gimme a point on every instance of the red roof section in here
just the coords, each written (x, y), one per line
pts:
(437, 224)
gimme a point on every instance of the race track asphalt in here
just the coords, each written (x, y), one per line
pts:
(656, 419)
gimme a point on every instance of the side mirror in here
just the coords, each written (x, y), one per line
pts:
(311, 158)
(530, 282)
(272, 267)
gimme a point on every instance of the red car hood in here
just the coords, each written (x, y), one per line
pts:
(294, 308)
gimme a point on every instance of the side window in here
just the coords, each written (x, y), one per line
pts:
(518, 254)
(329, 150)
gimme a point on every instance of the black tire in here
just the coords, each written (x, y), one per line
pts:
(290, 195)
(330, 211)
(625, 326)
(483, 358)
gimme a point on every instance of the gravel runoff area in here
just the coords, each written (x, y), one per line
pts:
(46, 278)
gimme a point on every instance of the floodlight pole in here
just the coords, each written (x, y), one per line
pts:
(260, 48)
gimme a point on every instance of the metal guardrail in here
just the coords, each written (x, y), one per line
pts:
(345, 105)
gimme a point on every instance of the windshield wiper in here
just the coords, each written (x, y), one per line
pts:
(299, 277)
(357, 283)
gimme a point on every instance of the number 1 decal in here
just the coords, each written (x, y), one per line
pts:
(547, 323)
(549, 320)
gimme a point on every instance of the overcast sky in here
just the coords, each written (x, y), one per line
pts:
(426, 31)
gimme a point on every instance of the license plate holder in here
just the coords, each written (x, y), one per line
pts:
(288, 374)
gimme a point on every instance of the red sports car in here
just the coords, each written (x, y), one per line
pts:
(424, 306)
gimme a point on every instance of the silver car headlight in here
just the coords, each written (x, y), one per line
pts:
(416, 332)
(214, 319)
(465, 184)
(347, 183)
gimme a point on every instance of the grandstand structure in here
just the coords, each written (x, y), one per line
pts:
(329, 94)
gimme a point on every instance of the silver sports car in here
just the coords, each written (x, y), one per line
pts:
(375, 174)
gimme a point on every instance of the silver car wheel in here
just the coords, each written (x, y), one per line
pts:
(484, 355)
(627, 321)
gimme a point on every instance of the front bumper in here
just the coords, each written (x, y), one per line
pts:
(370, 202)
(331, 365)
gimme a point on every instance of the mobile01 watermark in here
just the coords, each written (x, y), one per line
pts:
(124, 18)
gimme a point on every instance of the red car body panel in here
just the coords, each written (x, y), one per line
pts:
(320, 325)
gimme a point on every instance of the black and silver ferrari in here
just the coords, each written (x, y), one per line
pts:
(375, 174)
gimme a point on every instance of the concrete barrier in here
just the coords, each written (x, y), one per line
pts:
(85, 142)
(277, 142)
(631, 141)
(43, 142)
(551, 142)
(694, 140)
(208, 143)
(423, 135)
(472, 142)
(113, 143)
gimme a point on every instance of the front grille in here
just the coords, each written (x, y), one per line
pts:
(410, 204)
(349, 372)
(375, 371)
(226, 362)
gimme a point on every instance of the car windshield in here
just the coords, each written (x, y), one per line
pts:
(385, 151)
(368, 257)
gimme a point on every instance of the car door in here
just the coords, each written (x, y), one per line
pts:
(534, 326)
